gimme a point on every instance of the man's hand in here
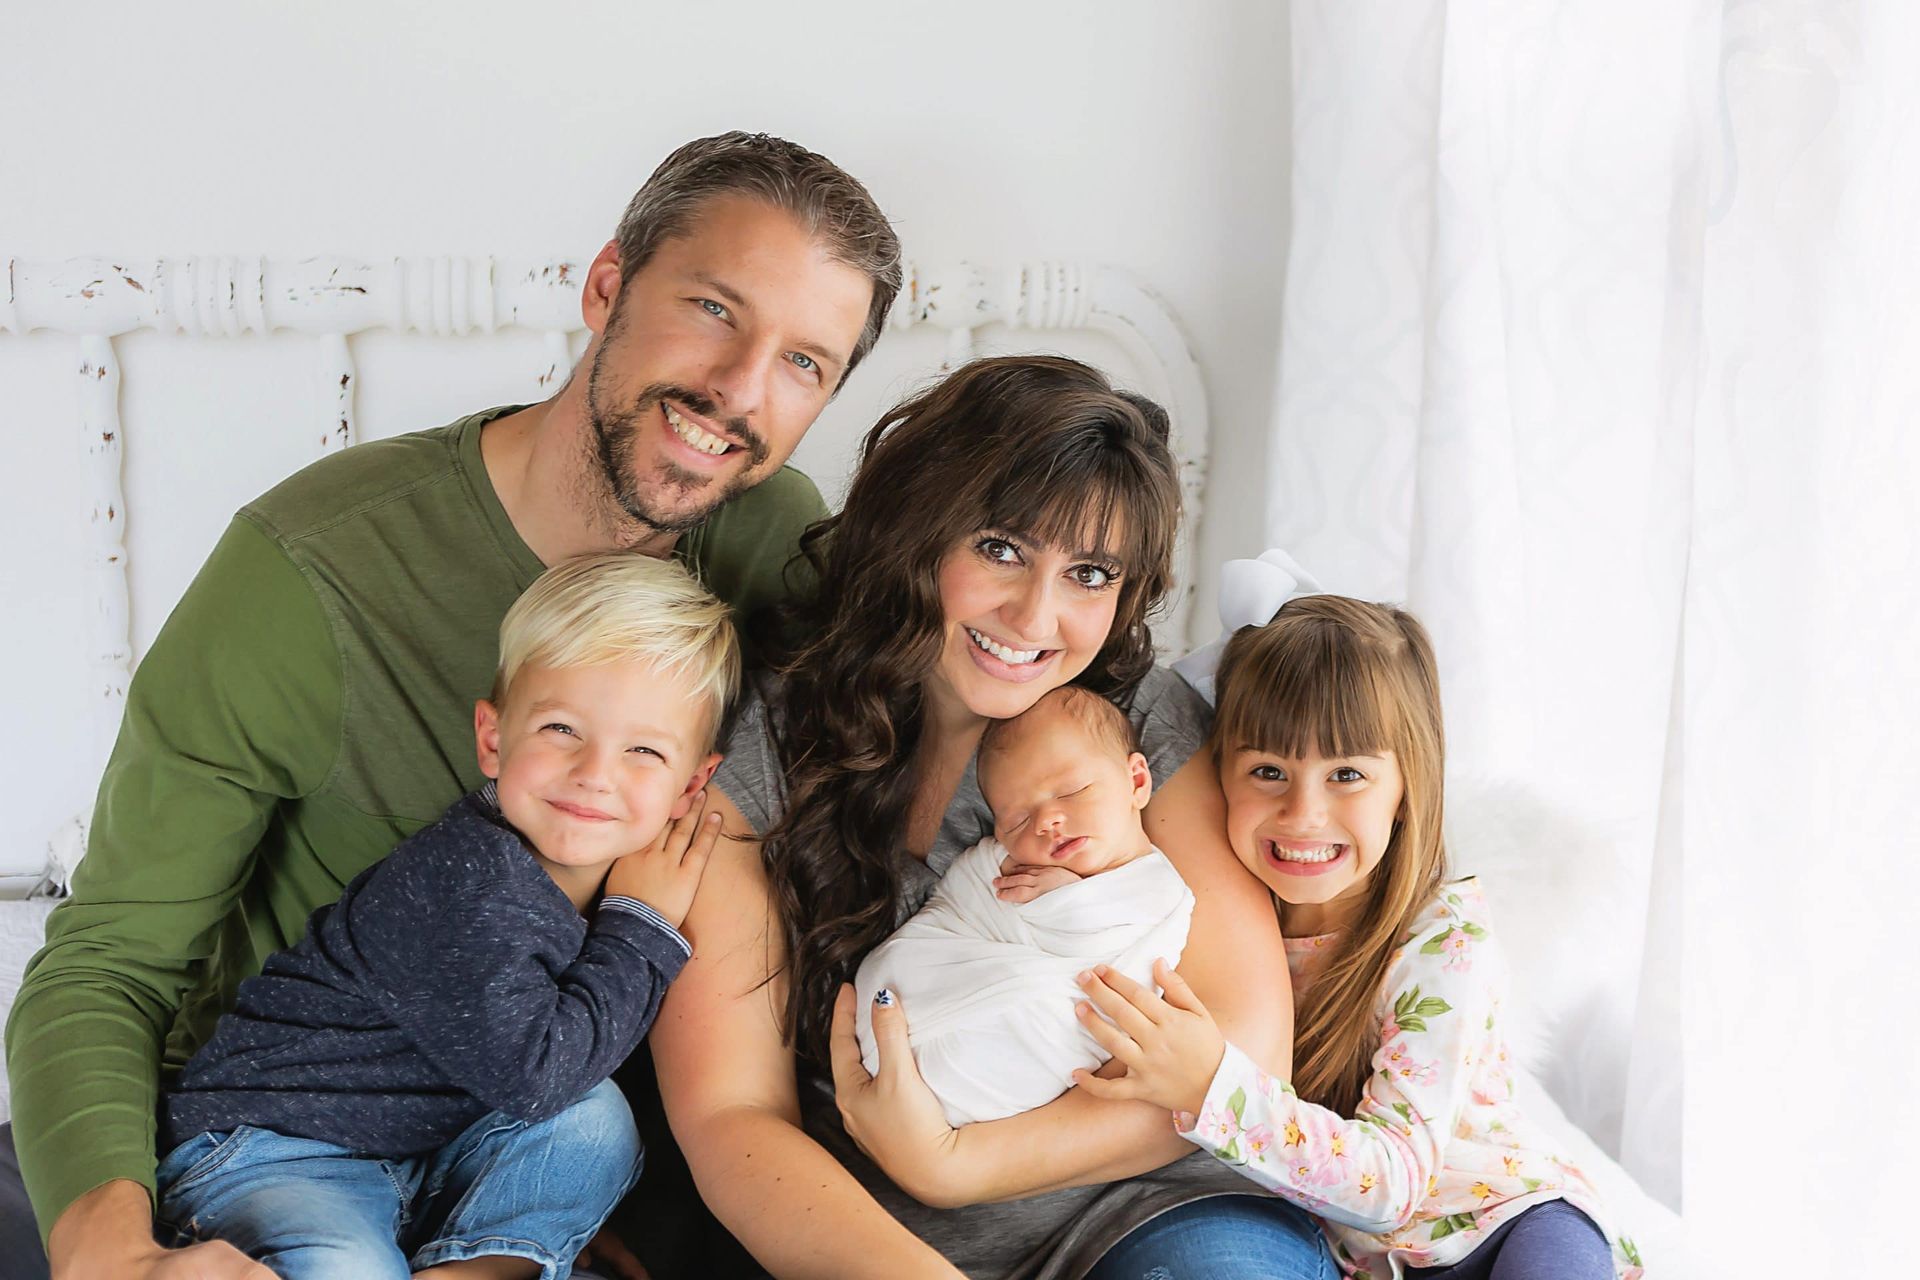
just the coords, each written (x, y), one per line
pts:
(666, 874)
(109, 1232)
(1170, 1048)
(1021, 882)
(892, 1115)
(609, 1254)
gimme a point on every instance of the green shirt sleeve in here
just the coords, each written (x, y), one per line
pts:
(237, 707)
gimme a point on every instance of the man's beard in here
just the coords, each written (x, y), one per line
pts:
(615, 433)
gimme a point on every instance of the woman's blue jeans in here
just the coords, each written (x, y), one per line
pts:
(314, 1211)
(1233, 1237)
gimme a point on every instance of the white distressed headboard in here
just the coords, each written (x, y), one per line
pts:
(96, 300)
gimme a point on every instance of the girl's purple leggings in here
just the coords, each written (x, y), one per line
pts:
(1551, 1241)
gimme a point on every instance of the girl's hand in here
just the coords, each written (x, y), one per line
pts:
(893, 1116)
(1170, 1047)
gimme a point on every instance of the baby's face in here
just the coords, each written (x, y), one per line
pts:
(1061, 798)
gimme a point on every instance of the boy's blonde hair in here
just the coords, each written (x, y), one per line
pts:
(1332, 676)
(623, 606)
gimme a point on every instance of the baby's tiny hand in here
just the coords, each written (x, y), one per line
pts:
(666, 874)
(1025, 883)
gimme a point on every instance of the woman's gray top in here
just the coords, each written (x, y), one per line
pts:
(1061, 1233)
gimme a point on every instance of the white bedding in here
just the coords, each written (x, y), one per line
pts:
(23, 927)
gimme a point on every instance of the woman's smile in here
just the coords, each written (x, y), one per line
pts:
(1004, 662)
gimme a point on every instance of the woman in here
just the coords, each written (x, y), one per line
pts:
(1007, 532)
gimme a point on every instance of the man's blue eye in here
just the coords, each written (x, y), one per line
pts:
(713, 308)
(805, 362)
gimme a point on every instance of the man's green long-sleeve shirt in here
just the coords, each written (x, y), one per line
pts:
(308, 704)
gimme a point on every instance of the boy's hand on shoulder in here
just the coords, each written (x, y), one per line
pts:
(666, 874)
(1023, 883)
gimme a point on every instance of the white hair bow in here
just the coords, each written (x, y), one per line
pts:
(1251, 592)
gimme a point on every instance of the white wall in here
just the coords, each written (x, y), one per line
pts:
(1143, 134)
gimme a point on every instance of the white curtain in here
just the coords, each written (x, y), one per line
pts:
(1601, 349)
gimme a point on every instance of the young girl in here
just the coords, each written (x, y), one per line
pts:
(1398, 1123)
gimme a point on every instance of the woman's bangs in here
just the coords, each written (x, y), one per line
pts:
(1088, 502)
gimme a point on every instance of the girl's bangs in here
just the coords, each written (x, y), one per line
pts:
(1302, 687)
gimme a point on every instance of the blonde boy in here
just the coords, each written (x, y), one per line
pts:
(434, 1053)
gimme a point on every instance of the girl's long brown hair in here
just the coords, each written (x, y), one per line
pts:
(1042, 447)
(1331, 676)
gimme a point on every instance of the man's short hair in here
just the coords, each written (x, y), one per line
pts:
(622, 606)
(822, 196)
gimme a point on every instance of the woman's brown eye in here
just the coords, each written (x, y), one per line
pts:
(1093, 575)
(997, 549)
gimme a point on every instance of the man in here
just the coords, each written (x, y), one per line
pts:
(309, 702)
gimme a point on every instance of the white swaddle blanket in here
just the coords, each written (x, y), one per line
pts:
(989, 985)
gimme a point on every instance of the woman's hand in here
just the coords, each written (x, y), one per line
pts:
(892, 1115)
(1170, 1047)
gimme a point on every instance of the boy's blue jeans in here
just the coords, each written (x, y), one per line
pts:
(313, 1211)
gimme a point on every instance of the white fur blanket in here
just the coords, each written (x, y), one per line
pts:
(988, 986)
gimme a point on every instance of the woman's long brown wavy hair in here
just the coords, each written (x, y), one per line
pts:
(1037, 446)
(1331, 676)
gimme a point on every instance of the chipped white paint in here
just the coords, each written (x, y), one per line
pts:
(231, 296)
(337, 376)
(559, 361)
(109, 638)
(334, 298)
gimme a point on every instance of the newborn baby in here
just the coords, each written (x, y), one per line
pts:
(1067, 880)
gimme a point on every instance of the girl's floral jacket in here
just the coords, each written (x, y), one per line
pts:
(1438, 1153)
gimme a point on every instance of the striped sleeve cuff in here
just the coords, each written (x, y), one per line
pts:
(633, 906)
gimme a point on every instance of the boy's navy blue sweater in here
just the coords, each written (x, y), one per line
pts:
(453, 978)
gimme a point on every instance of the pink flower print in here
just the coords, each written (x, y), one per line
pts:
(1293, 1136)
(1512, 1164)
(1262, 1082)
(1256, 1141)
(1456, 950)
(1402, 1065)
(1183, 1121)
(1388, 1030)
(1218, 1126)
(1305, 1199)
(1367, 1182)
(1332, 1163)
